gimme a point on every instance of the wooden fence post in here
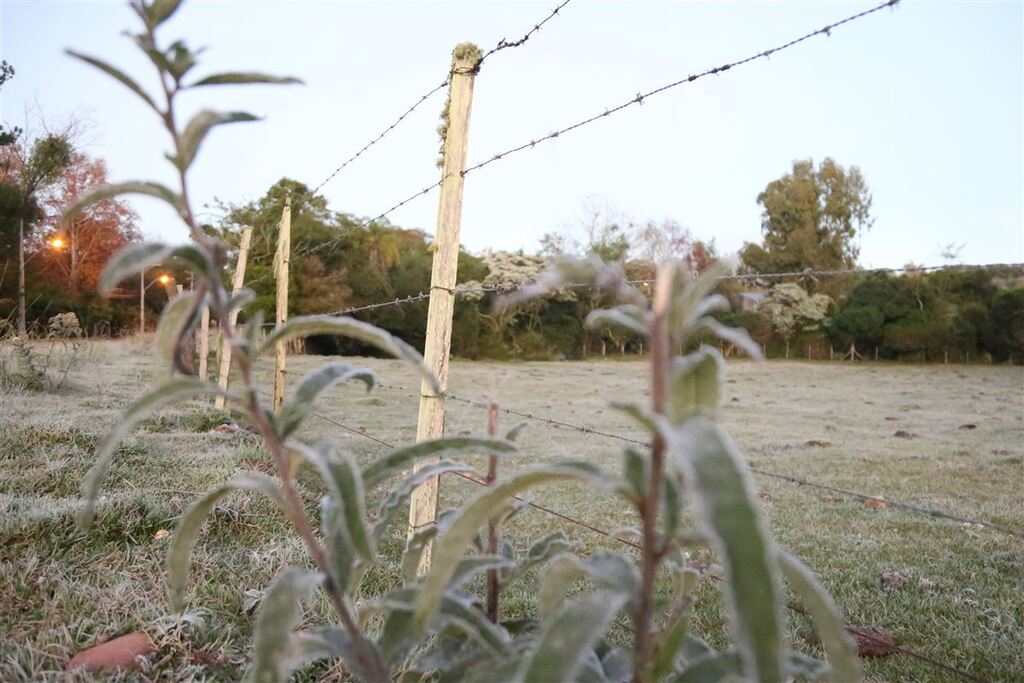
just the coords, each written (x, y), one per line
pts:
(281, 261)
(204, 343)
(225, 347)
(430, 424)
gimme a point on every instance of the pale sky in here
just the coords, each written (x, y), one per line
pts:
(927, 99)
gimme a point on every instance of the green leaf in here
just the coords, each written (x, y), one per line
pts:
(718, 483)
(717, 667)
(569, 637)
(839, 646)
(278, 617)
(340, 473)
(241, 298)
(469, 567)
(737, 336)
(695, 384)
(513, 434)
(340, 554)
(670, 644)
(402, 458)
(456, 610)
(117, 74)
(639, 414)
(475, 514)
(418, 541)
(688, 298)
(628, 317)
(179, 317)
(159, 11)
(129, 261)
(398, 500)
(169, 392)
(191, 522)
(101, 193)
(197, 128)
(327, 642)
(243, 78)
(547, 548)
(609, 572)
(635, 473)
(314, 383)
(135, 258)
(308, 325)
(672, 500)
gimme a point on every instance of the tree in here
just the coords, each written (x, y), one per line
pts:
(1005, 334)
(7, 136)
(85, 240)
(29, 168)
(792, 310)
(810, 219)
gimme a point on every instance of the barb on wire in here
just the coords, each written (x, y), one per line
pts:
(505, 44)
(640, 97)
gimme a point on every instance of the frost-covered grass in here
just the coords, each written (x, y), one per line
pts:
(62, 589)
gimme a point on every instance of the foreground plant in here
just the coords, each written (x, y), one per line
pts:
(432, 627)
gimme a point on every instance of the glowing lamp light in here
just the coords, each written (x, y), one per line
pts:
(57, 243)
(164, 279)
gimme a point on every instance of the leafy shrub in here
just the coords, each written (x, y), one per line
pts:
(430, 627)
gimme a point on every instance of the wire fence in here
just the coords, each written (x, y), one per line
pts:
(635, 100)
(878, 640)
(748, 278)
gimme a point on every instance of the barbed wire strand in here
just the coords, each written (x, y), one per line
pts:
(380, 137)
(862, 633)
(763, 472)
(506, 288)
(504, 44)
(640, 97)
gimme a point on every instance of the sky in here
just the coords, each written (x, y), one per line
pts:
(927, 99)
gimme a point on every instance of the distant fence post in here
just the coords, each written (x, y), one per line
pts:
(225, 346)
(281, 261)
(204, 342)
(430, 424)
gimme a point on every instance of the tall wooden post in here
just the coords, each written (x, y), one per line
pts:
(22, 327)
(465, 57)
(281, 262)
(204, 343)
(142, 303)
(225, 346)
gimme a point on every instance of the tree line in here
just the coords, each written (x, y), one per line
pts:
(811, 218)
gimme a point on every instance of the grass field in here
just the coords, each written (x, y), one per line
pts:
(62, 589)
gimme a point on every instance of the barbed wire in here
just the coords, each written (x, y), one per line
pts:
(640, 97)
(793, 607)
(384, 133)
(507, 288)
(504, 44)
(501, 45)
(582, 429)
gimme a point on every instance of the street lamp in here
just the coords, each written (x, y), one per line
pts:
(163, 279)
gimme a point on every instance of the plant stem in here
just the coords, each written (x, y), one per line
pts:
(364, 654)
(493, 584)
(643, 642)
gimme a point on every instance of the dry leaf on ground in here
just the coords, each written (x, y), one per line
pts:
(873, 641)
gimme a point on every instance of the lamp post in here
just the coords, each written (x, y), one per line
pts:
(164, 279)
(56, 243)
